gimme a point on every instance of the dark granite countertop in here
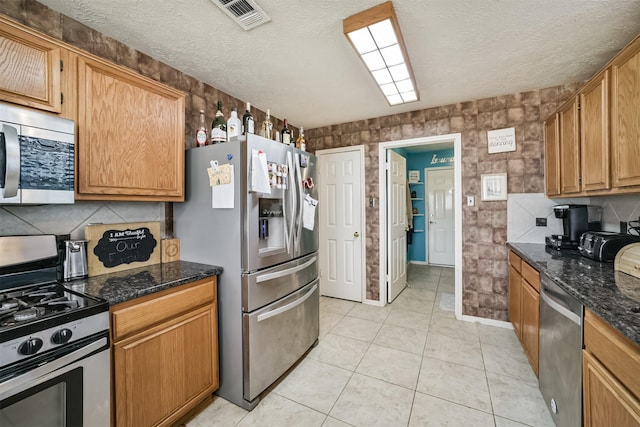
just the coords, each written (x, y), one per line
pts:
(612, 295)
(129, 284)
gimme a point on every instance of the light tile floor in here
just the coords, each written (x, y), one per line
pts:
(410, 363)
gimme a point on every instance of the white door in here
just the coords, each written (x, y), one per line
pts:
(440, 194)
(340, 202)
(396, 224)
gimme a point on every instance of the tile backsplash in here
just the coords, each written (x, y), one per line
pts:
(524, 208)
(71, 219)
(617, 208)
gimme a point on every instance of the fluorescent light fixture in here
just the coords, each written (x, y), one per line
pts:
(375, 35)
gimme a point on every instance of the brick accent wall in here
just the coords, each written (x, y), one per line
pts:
(484, 265)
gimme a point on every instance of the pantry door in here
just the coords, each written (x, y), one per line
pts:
(341, 219)
(397, 224)
(441, 227)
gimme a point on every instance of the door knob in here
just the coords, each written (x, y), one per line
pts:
(356, 234)
(432, 222)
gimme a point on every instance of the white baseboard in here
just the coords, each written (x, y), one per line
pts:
(419, 262)
(488, 322)
(375, 302)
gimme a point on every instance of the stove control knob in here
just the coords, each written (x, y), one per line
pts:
(62, 336)
(30, 346)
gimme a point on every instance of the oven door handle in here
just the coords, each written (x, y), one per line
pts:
(12, 161)
(9, 386)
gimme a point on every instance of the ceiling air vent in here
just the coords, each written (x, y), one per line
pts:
(245, 12)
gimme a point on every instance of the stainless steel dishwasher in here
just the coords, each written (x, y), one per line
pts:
(560, 371)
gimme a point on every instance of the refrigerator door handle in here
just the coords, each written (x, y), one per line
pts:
(287, 307)
(283, 273)
(293, 198)
(301, 205)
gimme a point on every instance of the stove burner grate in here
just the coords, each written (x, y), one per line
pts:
(35, 302)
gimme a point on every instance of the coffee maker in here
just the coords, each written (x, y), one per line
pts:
(576, 219)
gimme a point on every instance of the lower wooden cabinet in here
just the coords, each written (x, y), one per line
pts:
(515, 300)
(524, 306)
(610, 380)
(530, 334)
(167, 367)
(606, 401)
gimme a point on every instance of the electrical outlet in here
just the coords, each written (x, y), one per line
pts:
(372, 202)
(541, 222)
(471, 201)
(623, 227)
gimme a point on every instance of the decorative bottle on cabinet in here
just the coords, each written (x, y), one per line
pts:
(286, 133)
(301, 142)
(201, 132)
(248, 125)
(233, 126)
(219, 127)
(267, 126)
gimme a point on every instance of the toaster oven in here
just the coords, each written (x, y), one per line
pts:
(604, 245)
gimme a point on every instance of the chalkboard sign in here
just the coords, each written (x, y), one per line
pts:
(118, 247)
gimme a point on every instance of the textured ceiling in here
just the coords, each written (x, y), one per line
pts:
(301, 66)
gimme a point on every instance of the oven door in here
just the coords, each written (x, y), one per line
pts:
(66, 388)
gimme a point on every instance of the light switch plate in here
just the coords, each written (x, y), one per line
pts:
(471, 201)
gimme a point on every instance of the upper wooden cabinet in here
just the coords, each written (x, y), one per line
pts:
(130, 135)
(29, 69)
(130, 129)
(552, 155)
(625, 113)
(594, 133)
(599, 133)
(568, 123)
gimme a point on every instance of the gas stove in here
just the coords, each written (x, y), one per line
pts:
(37, 314)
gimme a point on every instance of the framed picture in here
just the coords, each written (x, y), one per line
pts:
(414, 176)
(494, 186)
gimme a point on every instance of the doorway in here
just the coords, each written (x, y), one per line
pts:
(342, 223)
(434, 142)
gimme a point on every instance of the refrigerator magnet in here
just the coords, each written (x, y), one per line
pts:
(304, 161)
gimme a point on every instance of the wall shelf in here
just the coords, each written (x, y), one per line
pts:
(418, 231)
(415, 183)
(417, 198)
(418, 214)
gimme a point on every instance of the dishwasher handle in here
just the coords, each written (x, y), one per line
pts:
(547, 295)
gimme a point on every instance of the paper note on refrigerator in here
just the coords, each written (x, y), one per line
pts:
(222, 194)
(259, 173)
(219, 174)
(309, 212)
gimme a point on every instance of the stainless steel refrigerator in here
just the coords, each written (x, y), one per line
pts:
(267, 242)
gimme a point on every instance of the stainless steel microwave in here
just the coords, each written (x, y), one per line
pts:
(36, 157)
